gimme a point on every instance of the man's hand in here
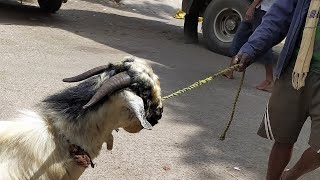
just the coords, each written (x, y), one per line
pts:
(243, 59)
(250, 13)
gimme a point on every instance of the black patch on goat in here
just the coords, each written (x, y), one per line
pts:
(69, 102)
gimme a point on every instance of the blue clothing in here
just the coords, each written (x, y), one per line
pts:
(284, 19)
(244, 31)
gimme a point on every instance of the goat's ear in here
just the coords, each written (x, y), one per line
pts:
(136, 106)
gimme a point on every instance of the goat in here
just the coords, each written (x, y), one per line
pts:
(59, 140)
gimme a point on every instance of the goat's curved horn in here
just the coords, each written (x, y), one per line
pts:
(87, 74)
(110, 85)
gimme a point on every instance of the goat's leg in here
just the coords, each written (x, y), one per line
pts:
(109, 142)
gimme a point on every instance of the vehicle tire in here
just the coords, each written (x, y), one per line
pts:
(50, 6)
(221, 20)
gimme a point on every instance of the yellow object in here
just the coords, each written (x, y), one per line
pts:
(303, 61)
(200, 82)
(180, 15)
(223, 135)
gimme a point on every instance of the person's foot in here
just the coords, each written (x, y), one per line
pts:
(265, 85)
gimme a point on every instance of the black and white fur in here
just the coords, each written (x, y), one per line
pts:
(35, 145)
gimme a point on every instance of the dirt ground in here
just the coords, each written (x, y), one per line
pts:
(38, 50)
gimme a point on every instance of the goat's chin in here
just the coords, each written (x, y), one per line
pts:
(133, 129)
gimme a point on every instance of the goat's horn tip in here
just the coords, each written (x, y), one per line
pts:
(66, 80)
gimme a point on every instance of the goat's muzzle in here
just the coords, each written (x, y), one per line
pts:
(155, 114)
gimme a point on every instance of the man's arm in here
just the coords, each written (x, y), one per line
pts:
(273, 29)
(255, 3)
(252, 9)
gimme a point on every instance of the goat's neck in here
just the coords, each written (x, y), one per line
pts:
(93, 130)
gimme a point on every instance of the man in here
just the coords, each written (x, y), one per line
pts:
(192, 8)
(296, 93)
(253, 18)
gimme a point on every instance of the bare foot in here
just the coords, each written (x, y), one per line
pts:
(228, 75)
(266, 85)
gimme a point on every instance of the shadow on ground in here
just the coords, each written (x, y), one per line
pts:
(157, 9)
(241, 148)
(129, 34)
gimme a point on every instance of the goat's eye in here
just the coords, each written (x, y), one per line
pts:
(135, 87)
(144, 91)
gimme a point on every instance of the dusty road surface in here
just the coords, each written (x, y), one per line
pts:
(38, 50)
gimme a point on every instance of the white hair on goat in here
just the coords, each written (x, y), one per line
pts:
(56, 141)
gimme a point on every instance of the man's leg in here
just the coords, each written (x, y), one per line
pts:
(267, 84)
(266, 59)
(309, 161)
(283, 121)
(191, 28)
(191, 22)
(269, 72)
(278, 160)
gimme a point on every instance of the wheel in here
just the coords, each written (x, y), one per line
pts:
(220, 23)
(50, 6)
